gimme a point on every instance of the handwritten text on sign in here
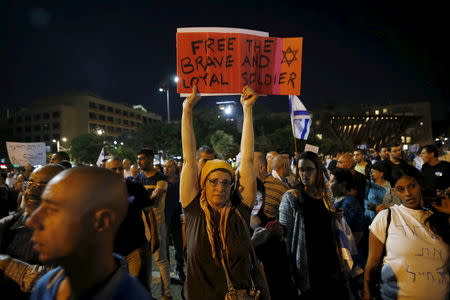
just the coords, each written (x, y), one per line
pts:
(224, 62)
(26, 153)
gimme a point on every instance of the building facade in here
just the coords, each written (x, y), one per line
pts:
(66, 117)
(373, 126)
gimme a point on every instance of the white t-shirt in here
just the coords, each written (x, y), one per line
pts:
(417, 261)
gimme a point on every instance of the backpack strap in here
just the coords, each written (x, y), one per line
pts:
(388, 222)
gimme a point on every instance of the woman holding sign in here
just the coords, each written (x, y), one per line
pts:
(217, 208)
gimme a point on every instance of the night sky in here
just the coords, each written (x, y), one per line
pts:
(354, 51)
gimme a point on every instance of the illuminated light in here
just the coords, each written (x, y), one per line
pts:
(421, 123)
(228, 110)
(64, 139)
(377, 112)
(176, 79)
(161, 89)
(405, 147)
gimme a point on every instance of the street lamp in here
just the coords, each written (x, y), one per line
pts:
(58, 145)
(166, 89)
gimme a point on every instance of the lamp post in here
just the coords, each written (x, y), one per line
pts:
(166, 89)
(58, 144)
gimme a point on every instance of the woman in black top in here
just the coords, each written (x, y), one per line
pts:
(308, 220)
(216, 210)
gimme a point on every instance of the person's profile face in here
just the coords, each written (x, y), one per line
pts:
(203, 158)
(376, 175)
(357, 156)
(384, 153)
(396, 152)
(59, 225)
(170, 168)
(337, 188)
(344, 162)
(54, 159)
(144, 162)
(116, 166)
(426, 156)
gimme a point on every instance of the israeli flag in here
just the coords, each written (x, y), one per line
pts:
(101, 156)
(300, 118)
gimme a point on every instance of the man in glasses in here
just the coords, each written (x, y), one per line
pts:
(18, 261)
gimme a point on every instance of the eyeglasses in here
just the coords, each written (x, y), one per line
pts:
(29, 184)
(307, 170)
(224, 183)
(117, 169)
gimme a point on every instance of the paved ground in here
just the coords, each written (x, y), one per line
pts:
(156, 279)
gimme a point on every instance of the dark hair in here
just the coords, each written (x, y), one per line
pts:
(63, 155)
(406, 170)
(432, 149)
(147, 152)
(394, 144)
(383, 146)
(438, 222)
(66, 164)
(360, 151)
(344, 176)
(206, 149)
(379, 167)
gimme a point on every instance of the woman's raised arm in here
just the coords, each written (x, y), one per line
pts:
(189, 173)
(247, 177)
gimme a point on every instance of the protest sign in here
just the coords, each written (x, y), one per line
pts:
(220, 61)
(311, 148)
(26, 153)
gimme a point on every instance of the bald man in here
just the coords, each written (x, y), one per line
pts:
(131, 242)
(126, 167)
(269, 156)
(58, 157)
(275, 186)
(76, 230)
(19, 263)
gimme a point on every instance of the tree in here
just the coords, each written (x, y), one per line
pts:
(86, 148)
(224, 145)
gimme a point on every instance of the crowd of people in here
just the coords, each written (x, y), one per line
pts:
(367, 224)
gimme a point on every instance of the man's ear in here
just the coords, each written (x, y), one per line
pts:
(104, 220)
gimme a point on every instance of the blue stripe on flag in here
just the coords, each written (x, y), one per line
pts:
(301, 113)
(305, 129)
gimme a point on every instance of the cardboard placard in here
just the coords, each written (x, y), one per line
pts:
(220, 61)
(26, 153)
(312, 148)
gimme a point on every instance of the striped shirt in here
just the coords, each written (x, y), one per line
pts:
(274, 189)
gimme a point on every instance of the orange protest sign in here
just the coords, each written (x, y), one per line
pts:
(220, 61)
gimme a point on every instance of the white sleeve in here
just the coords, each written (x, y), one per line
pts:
(378, 226)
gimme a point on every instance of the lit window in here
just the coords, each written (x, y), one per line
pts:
(385, 110)
(377, 112)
